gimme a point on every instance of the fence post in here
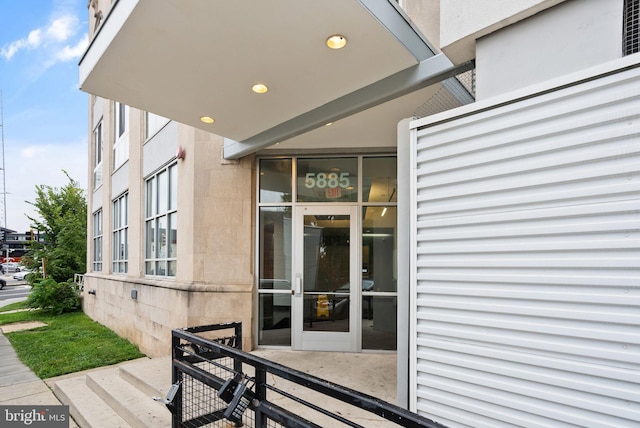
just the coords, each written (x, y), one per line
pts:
(237, 331)
(176, 376)
(261, 395)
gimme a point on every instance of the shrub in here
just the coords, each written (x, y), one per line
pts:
(54, 297)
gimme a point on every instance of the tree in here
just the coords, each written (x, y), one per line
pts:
(63, 224)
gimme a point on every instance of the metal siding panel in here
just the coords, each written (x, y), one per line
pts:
(527, 247)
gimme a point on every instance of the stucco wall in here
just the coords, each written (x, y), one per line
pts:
(564, 39)
(462, 22)
(425, 14)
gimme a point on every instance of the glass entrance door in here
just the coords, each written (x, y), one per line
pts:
(325, 300)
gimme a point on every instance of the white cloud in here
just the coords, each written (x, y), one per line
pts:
(52, 37)
(69, 53)
(31, 152)
(62, 28)
(33, 40)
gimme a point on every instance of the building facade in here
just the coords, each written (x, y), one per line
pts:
(457, 184)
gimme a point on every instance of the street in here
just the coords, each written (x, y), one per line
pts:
(14, 291)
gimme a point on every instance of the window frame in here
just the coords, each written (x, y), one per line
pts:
(153, 123)
(120, 234)
(97, 229)
(121, 134)
(98, 154)
(286, 199)
(160, 222)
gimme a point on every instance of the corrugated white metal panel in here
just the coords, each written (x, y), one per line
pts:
(527, 261)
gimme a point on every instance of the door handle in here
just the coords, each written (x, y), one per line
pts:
(298, 286)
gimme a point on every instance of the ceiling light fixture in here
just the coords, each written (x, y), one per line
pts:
(206, 119)
(336, 41)
(259, 88)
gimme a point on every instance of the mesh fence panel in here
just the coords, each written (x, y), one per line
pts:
(449, 94)
(222, 386)
(631, 25)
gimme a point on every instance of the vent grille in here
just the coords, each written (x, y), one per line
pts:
(451, 94)
(631, 38)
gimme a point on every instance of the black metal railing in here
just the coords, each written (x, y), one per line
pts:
(215, 383)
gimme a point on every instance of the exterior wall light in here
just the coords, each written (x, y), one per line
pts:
(337, 41)
(259, 88)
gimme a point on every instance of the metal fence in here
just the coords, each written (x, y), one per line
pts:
(216, 384)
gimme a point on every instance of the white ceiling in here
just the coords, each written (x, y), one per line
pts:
(187, 59)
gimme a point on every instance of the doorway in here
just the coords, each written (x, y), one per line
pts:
(326, 295)
(327, 253)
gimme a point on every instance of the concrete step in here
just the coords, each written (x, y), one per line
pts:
(85, 406)
(151, 376)
(119, 396)
(137, 408)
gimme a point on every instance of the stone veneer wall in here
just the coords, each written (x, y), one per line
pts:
(215, 249)
(148, 320)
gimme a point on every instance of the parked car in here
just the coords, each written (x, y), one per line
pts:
(20, 276)
(12, 267)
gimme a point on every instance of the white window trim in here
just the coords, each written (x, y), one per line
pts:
(120, 261)
(98, 155)
(121, 143)
(155, 218)
(153, 124)
(97, 227)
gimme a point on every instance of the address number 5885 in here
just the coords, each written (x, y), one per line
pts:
(322, 180)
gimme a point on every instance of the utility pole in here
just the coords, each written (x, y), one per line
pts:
(4, 177)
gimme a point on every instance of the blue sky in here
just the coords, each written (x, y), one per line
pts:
(44, 112)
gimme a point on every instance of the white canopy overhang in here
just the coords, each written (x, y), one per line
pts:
(188, 59)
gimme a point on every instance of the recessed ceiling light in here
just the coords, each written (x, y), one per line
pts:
(337, 41)
(259, 88)
(328, 124)
(206, 119)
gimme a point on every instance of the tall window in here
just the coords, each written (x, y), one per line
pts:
(161, 222)
(153, 123)
(121, 144)
(97, 241)
(120, 234)
(97, 163)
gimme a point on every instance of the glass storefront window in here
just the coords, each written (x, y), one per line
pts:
(379, 322)
(324, 303)
(379, 179)
(275, 248)
(275, 276)
(275, 180)
(379, 247)
(379, 275)
(275, 319)
(327, 180)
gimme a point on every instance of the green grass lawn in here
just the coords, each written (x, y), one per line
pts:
(69, 343)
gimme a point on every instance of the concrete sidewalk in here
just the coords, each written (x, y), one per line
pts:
(18, 384)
